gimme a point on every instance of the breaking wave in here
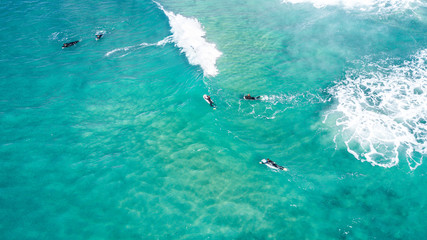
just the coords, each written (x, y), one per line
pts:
(189, 36)
(381, 113)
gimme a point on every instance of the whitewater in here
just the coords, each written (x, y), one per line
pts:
(383, 113)
(189, 36)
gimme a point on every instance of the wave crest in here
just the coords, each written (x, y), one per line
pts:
(189, 36)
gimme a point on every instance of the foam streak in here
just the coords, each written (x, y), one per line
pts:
(124, 50)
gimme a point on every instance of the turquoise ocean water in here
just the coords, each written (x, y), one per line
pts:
(111, 139)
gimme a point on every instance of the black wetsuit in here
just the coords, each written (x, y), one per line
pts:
(99, 36)
(250, 98)
(210, 102)
(69, 44)
(274, 165)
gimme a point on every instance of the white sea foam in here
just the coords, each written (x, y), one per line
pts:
(364, 5)
(125, 50)
(381, 114)
(189, 36)
(58, 36)
(54, 36)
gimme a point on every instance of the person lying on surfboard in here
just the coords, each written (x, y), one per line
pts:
(272, 164)
(69, 44)
(249, 97)
(99, 36)
(209, 100)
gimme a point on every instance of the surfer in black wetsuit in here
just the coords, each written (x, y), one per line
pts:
(69, 44)
(249, 97)
(273, 164)
(99, 36)
(210, 100)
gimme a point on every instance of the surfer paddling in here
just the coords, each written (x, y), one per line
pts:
(209, 100)
(272, 165)
(99, 36)
(69, 44)
(249, 97)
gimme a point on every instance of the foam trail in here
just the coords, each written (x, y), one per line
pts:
(189, 36)
(306, 97)
(382, 114)
(142, 45)
(270, 106)
(365, 5)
